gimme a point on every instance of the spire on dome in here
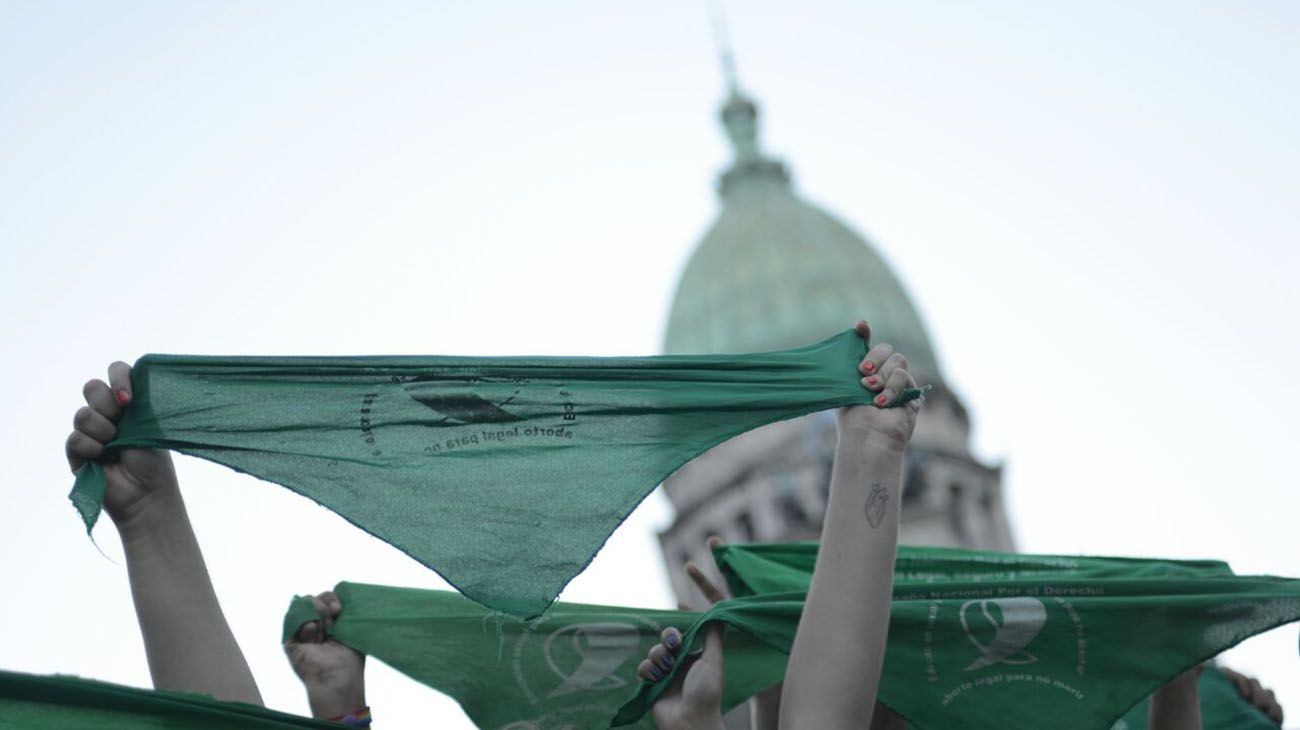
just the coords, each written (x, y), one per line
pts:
(740, 119)
(722, 36)
(739, 114)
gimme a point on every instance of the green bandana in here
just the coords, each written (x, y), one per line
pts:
(570, 668)
(57, 703)
(1222, 708)
(1075, 639)
(1078, 640)
(29, 702)
(505, 475)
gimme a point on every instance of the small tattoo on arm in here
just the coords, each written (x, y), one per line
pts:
(877, 501)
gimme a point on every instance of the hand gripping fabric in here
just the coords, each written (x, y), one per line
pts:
(505, 475)
(573, 667)
(1069, 642)
(1142, 623)
(1222, 708)
(32, 702)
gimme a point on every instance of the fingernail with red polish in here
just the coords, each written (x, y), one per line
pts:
(881, 400)
(868, 366)
(872, 380)
(123, 397)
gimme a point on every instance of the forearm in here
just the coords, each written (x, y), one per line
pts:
(188, 643)
(1177, 705)
(765, 709)
(835, 663)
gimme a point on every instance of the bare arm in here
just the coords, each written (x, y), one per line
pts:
(187, 642)
(836, 660)
(765, 712)
(1177, 705)
(765, 708)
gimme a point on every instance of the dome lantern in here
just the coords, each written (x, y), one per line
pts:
(740, 119)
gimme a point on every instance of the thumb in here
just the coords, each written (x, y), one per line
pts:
(713, 638)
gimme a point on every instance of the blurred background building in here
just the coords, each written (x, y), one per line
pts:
(775, 272)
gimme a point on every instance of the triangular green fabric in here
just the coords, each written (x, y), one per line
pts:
(505, 475)
(32, 702)
(1142, 623)
(1222, 708)
(1075, 639)
(570, 668)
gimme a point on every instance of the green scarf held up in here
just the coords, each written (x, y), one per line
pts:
(505, 475)
(570, 668)
(33, 702)
(1075, 639)
(1003, 633)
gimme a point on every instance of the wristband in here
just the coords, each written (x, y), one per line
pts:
(356, 718)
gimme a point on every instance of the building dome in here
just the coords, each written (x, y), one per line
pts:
(774, 272)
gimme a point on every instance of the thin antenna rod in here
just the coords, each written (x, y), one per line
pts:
(722, 37)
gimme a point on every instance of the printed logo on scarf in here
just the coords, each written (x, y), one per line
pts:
(985, 640)
(459, 413)
(1008, 625)
(567, 671)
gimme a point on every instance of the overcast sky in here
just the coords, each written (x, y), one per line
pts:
(1093, 204)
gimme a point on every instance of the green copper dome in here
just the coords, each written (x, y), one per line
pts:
(774, 272)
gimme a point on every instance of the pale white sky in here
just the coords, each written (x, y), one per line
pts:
(1094, 205)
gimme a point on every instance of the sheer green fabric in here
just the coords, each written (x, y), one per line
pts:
(505, 475)
(1076, 641)
(32, 702)
(570, 668)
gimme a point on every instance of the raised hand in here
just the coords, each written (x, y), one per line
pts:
(136, 473)
(694, 699)
(333, 674)
(1255, 693)
(884, 372)
(830, 683)
(169, 579)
